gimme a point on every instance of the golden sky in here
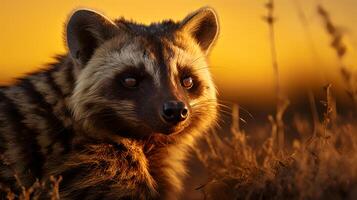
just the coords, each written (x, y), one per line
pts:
(32, 32)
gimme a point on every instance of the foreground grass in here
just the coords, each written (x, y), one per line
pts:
(320, 164)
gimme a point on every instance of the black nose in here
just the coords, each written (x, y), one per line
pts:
(174, 111)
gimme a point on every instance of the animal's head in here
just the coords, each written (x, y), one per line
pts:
(137, 80)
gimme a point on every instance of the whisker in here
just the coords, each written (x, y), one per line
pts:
(208, 67)
(195, 60)
(240, 107)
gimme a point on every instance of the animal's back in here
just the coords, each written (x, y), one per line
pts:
(35, 121)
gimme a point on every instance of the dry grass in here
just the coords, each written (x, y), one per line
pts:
(320, 165)
(46, 189)
(39, 190)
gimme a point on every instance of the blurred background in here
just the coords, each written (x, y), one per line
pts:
(32, 33)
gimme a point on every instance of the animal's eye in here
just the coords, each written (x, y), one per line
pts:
(187, 82)
(130, 82)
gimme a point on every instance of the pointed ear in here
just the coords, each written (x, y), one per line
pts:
(86, 30)
(203, 26)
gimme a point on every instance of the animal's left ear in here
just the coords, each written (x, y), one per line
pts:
(203, 26)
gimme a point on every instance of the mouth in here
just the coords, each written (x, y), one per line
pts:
(174, 130)
(143, 132)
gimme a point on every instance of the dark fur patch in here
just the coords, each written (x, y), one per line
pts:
(25, 138)
(44, 109)
(69, 75)
(54, 86)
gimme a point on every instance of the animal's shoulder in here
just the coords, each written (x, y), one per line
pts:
(114, 167)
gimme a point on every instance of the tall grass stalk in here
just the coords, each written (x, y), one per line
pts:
(282, 102)
(340, 49)
(316, 60)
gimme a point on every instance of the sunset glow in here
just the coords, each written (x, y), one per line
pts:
(32, 33)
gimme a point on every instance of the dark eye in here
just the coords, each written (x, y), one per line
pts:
(187, 82)
(130, 82)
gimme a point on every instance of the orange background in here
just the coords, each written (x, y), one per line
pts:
(32, 33)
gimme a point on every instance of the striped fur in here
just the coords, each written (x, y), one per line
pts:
(74, 119)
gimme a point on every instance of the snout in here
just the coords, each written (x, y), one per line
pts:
(174, 112)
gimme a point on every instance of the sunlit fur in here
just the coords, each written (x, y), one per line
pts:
(106, 141)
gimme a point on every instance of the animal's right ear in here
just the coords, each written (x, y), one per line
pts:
(203, 26)
(86, 30)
